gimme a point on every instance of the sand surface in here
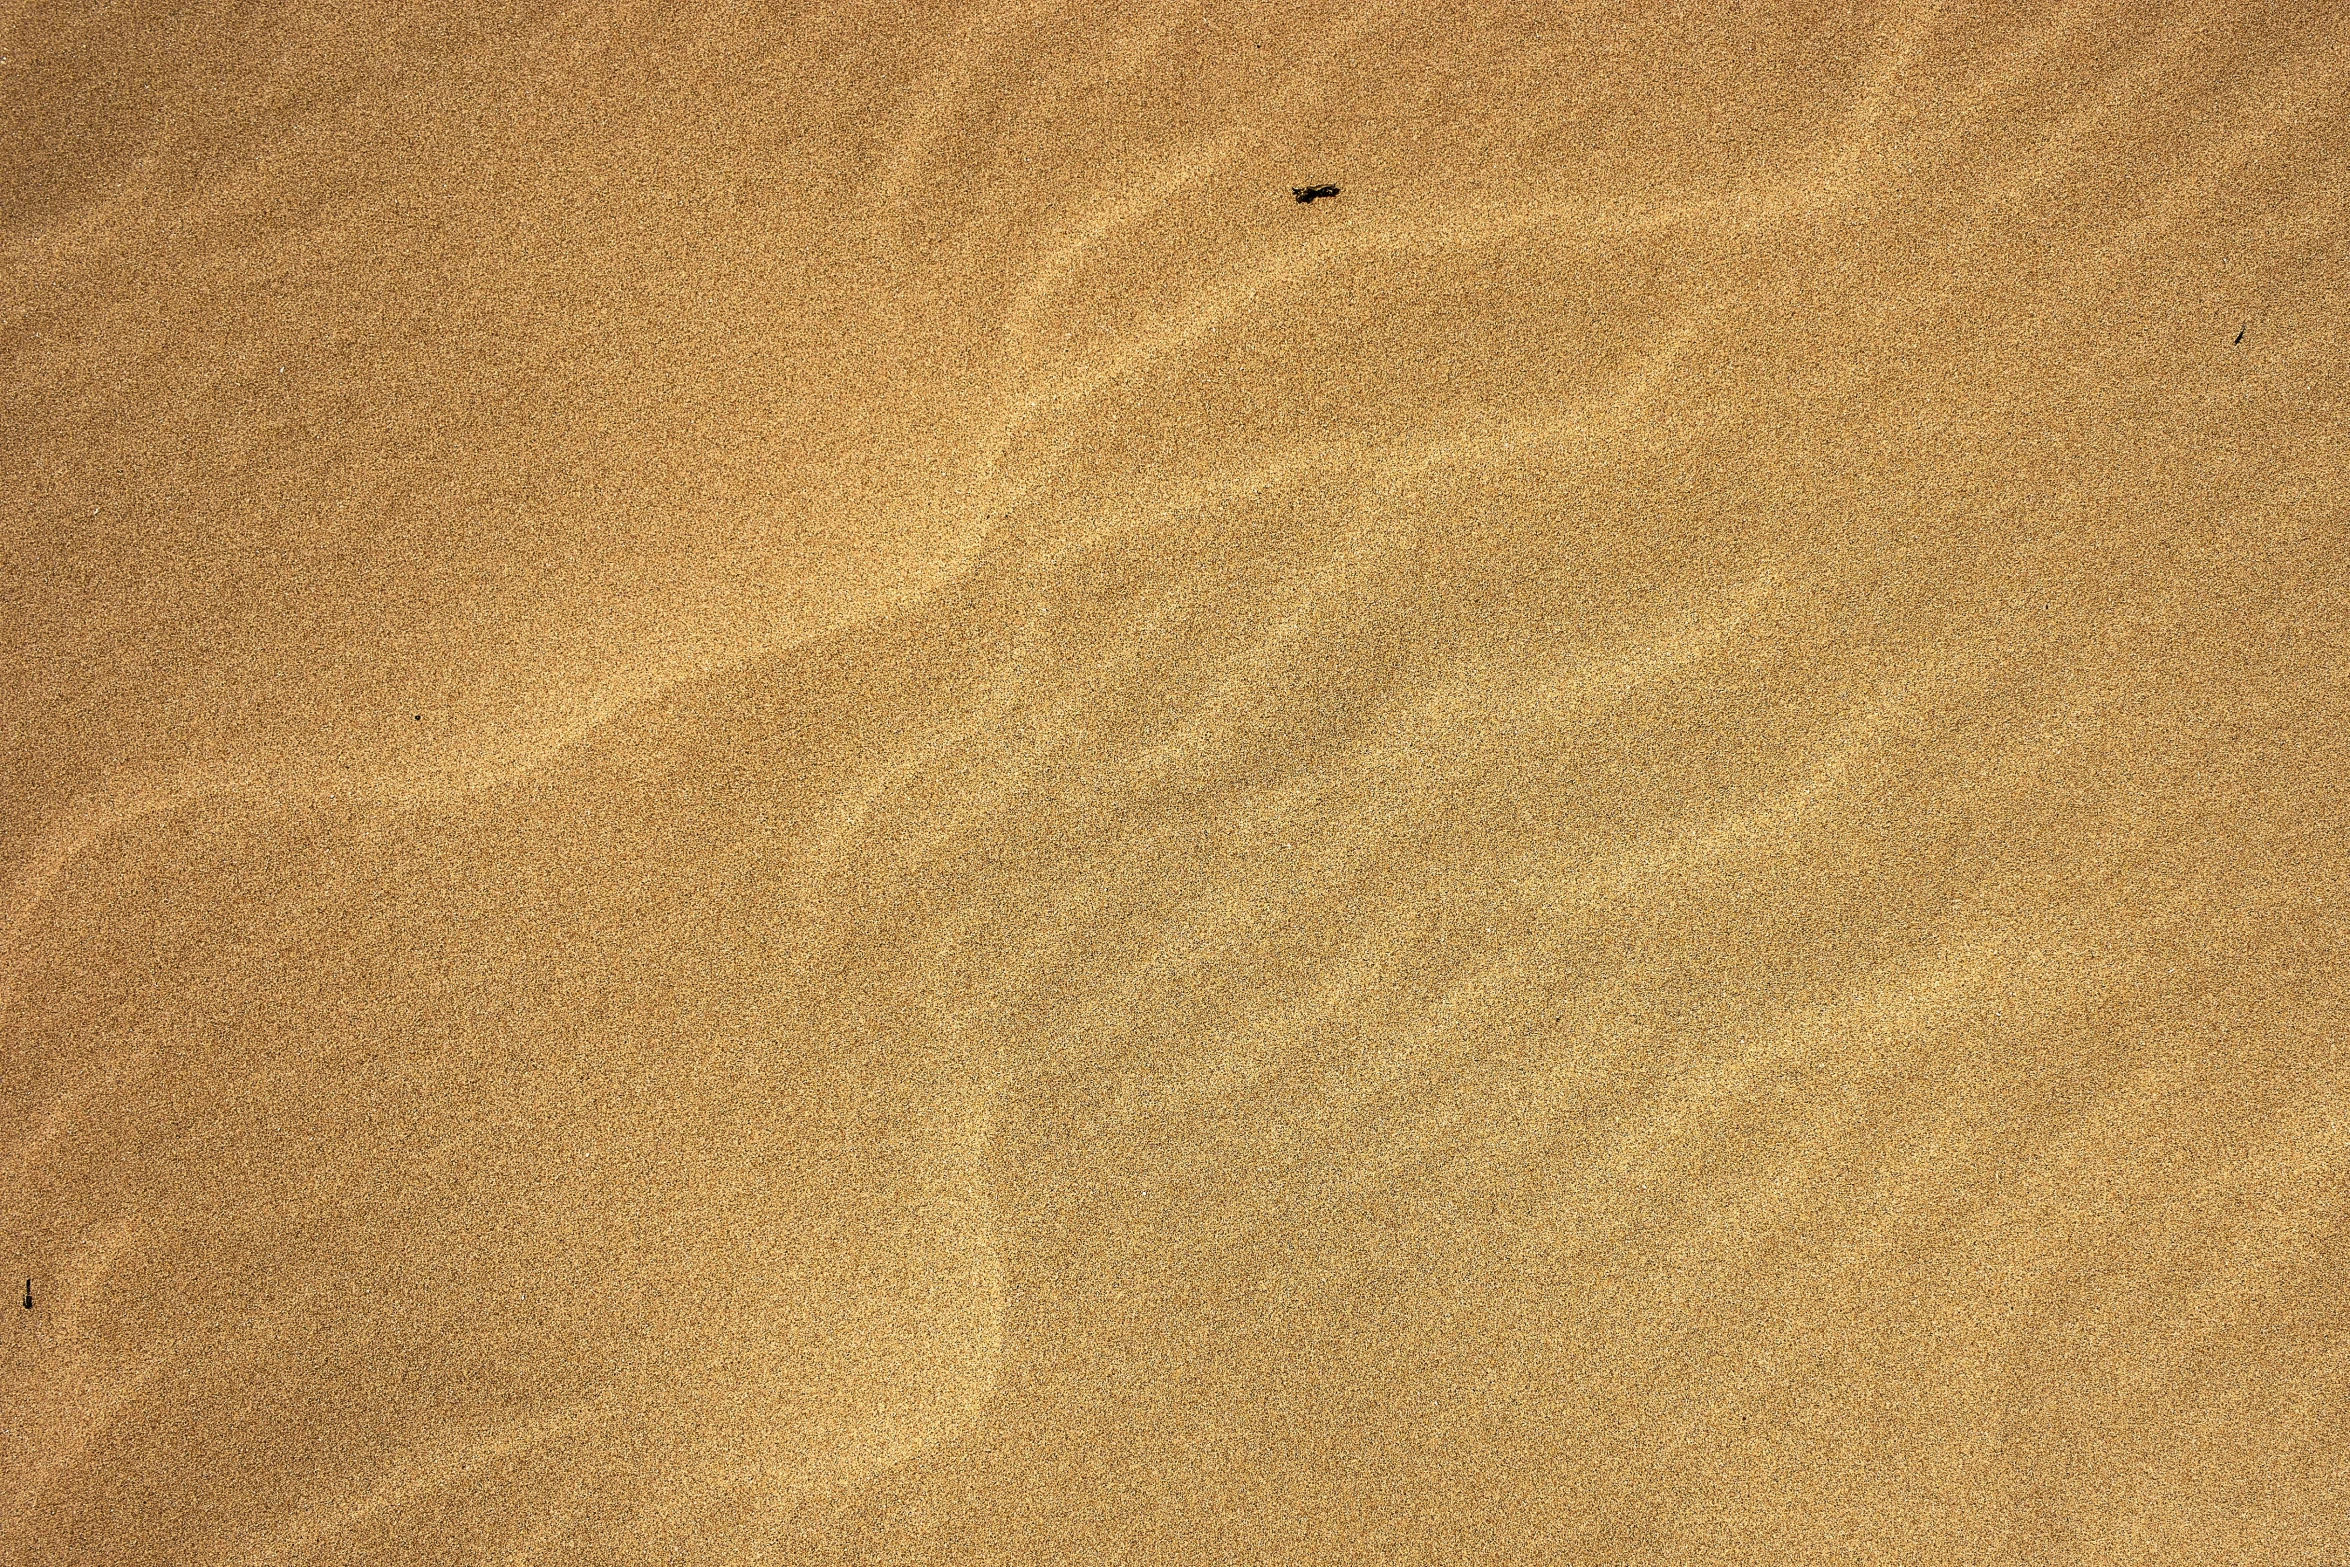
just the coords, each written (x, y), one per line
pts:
(788, 787)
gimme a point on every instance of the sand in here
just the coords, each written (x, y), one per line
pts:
(791, 788)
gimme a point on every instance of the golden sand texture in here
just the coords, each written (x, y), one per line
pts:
(788, 787)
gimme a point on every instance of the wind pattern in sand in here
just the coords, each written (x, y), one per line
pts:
(787, 786)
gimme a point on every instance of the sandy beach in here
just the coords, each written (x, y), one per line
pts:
(791, 786)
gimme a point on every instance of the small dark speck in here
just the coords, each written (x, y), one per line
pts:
(28, 1294)
(2240, 331)
(1312, 192)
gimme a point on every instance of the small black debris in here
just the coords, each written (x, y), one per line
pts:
(1310, 192)
(2240, 331)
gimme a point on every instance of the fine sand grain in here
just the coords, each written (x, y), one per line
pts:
(789, 786)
